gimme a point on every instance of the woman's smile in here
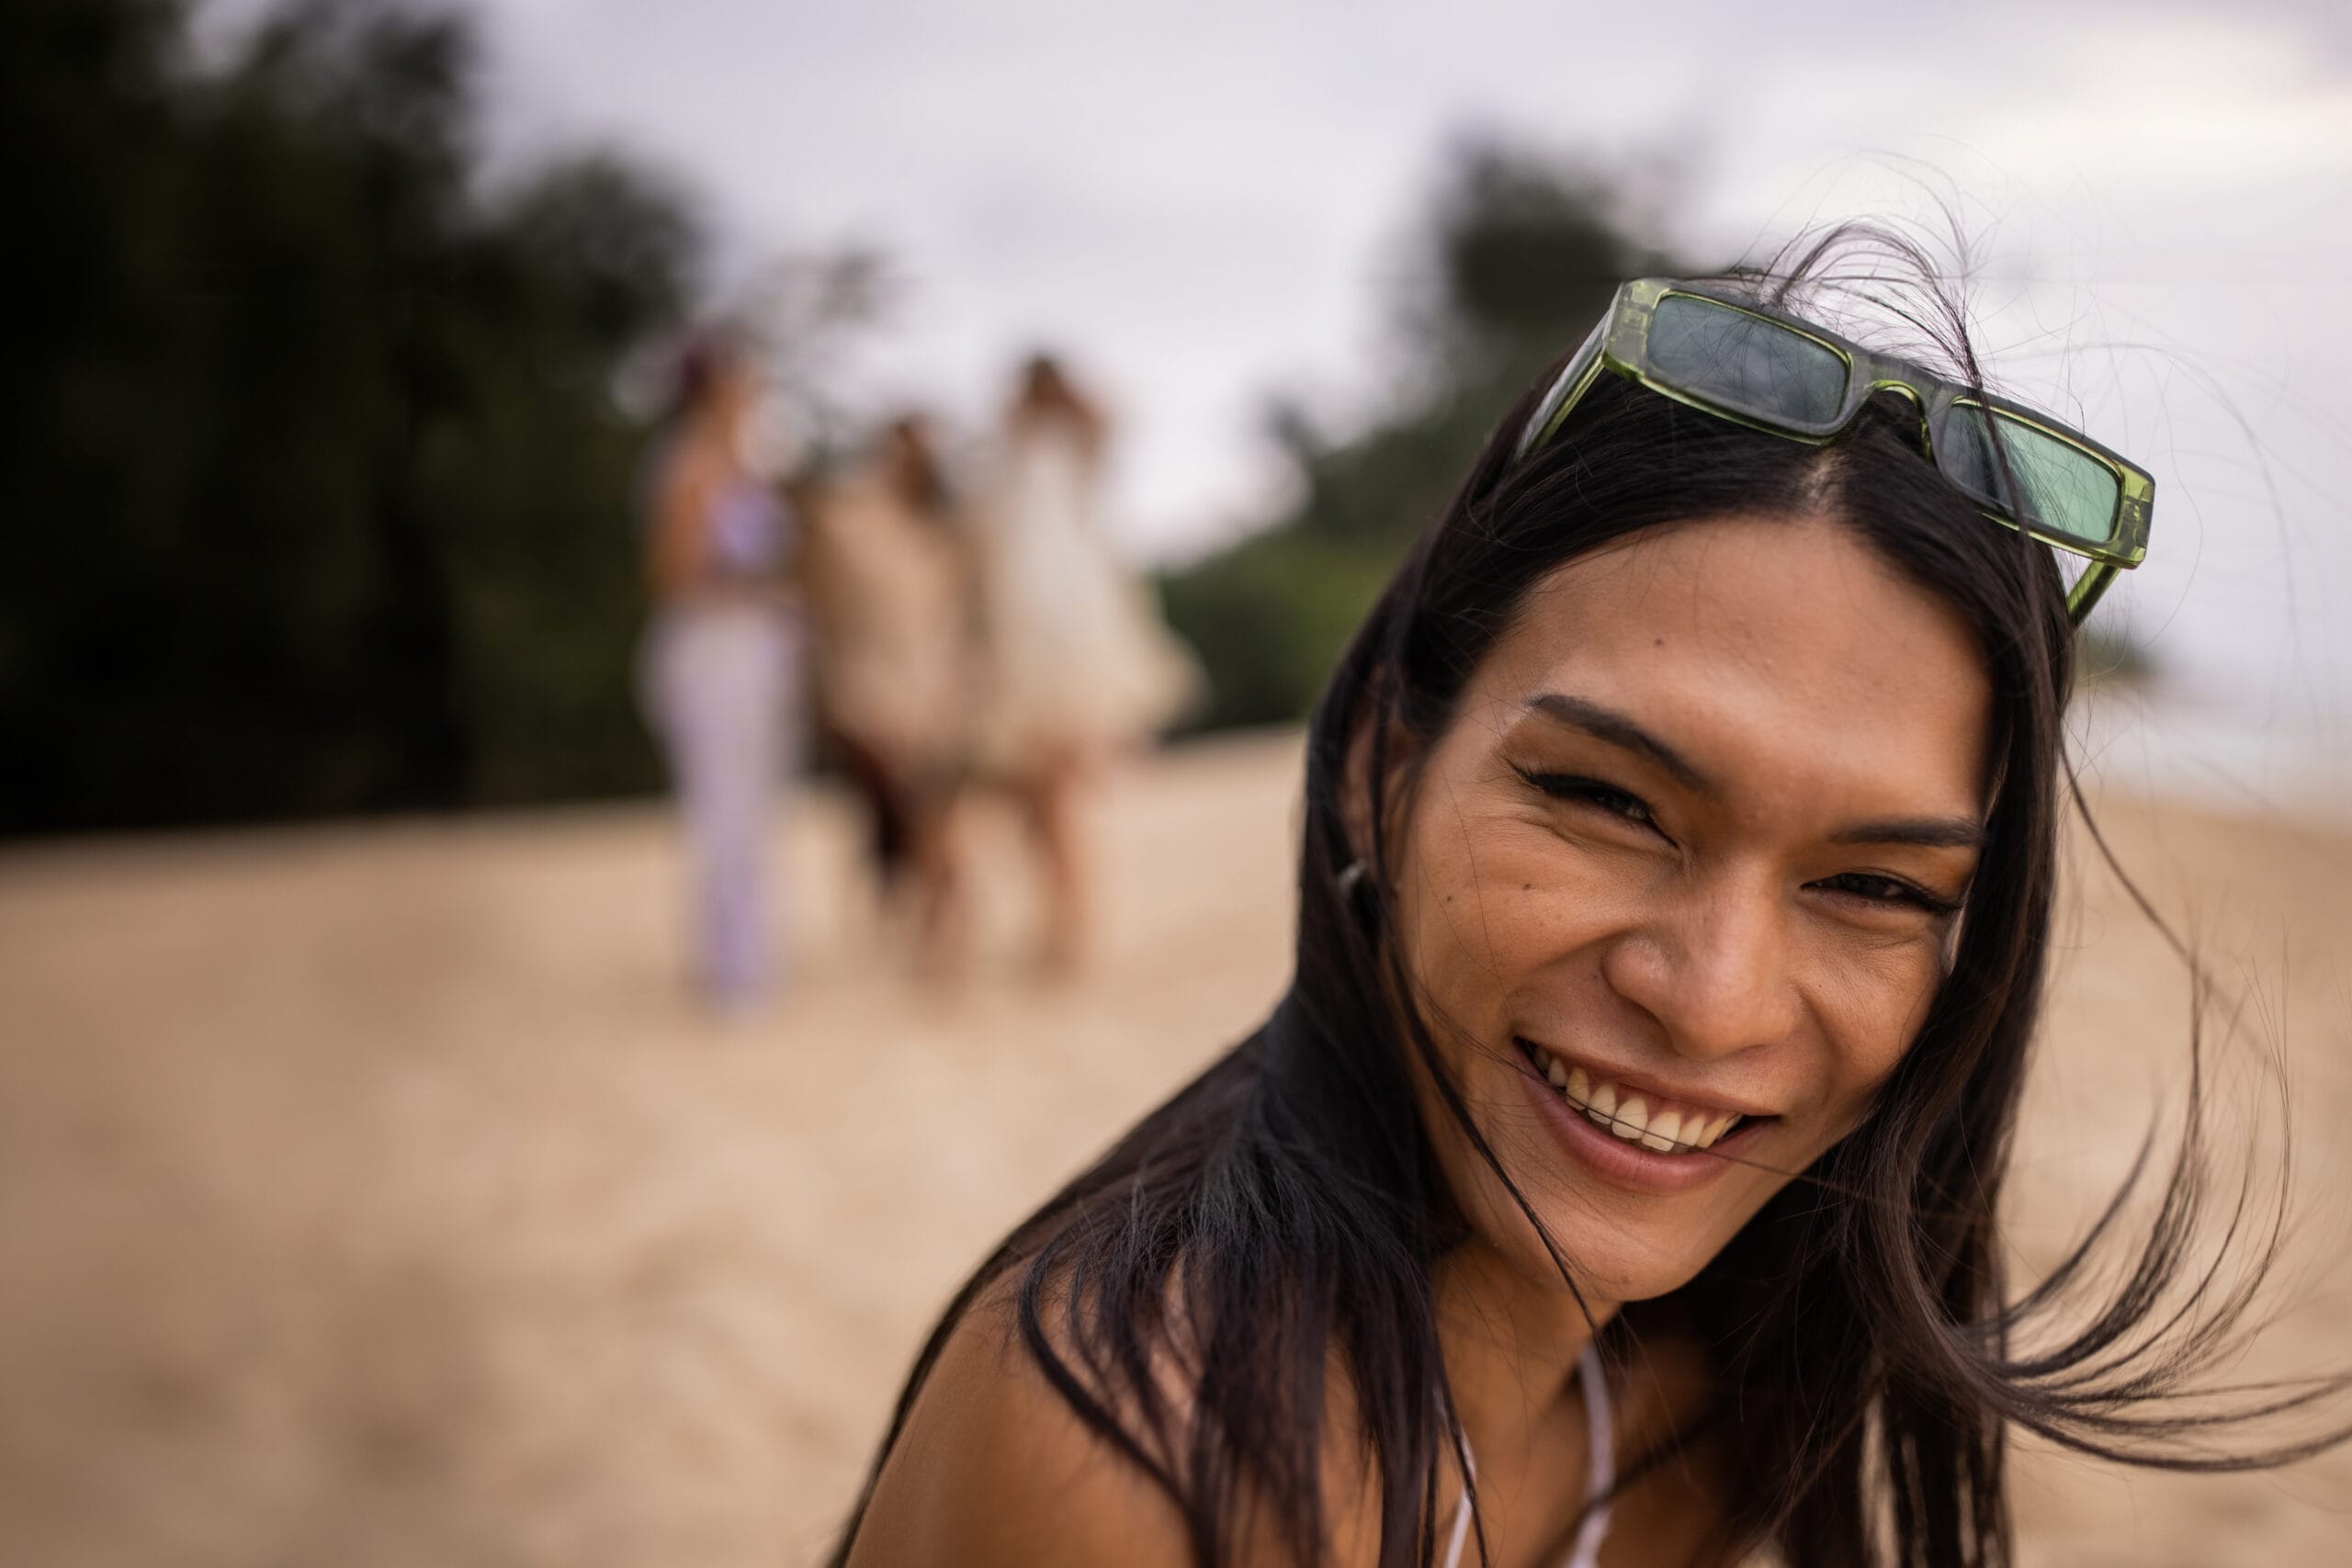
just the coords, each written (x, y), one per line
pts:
(1633, 1136)
(1667, 1122)
(1622, 1163)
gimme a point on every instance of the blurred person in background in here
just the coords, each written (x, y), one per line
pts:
(1077, 664)
(718, 671)
(1619, 1180)
(889, 579)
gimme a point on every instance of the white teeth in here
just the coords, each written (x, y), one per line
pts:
(1629, 1117)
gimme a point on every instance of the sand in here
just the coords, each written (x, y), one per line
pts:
(371, 1194)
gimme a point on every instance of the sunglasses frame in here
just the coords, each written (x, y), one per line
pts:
(1621, 343)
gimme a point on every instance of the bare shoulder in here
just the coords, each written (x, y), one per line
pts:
(995, 1468)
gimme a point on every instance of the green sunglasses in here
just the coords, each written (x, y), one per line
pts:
(1759, 368)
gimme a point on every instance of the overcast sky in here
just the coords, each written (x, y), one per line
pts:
(1205, 203)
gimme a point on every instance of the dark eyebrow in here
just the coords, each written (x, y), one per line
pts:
(1926, 832)
(1614, 727)
(1608, 725)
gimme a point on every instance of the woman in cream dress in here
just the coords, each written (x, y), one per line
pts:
(1077, 665)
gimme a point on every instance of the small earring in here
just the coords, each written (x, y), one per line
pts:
(1351, 877)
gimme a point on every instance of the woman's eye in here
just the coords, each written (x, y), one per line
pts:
(1887, 890)
(1591, 792)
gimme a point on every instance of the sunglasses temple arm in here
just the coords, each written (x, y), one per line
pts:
(2087, 589)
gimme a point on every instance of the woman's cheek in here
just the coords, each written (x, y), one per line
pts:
(1874, 1030)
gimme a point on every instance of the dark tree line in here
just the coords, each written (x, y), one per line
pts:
(313, 496)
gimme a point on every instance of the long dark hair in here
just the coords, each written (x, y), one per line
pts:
(1287, 1207)
(915, 470)
(1047, 395)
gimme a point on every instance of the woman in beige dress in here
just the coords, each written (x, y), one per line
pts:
(890, 596)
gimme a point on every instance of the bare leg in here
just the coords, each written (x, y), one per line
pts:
(943, 935)
(1055, 799)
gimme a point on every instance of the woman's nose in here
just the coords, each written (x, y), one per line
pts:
(1713, 970)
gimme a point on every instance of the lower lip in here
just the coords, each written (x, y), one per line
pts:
(1621, 1162)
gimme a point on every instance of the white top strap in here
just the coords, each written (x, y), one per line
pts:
(1461, 1508)
(1600, 1472)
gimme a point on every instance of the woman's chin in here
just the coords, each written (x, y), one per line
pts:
(1616, 1267)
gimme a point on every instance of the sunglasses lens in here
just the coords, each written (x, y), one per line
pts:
(1747, 365)
(2067, 492)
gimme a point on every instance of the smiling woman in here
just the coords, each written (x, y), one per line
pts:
(1727, 914)
(1617, 1183)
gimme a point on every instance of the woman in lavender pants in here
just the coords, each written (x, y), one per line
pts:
(719, 665)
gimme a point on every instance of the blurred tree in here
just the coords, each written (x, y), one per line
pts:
(313, 497)
(1521, 257)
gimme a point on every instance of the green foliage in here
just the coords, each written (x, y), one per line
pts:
(1523, 260)
(1268, 617)
(313, 496)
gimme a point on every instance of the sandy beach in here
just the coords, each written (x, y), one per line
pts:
(371, 1195)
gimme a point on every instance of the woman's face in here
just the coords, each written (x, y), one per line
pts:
(1695, 843)
(734, 396)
